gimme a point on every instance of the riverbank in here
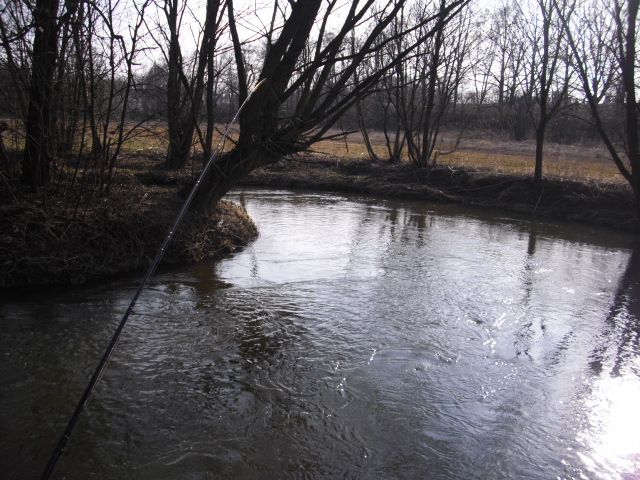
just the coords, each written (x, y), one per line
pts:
(51, 240)
(608, 204)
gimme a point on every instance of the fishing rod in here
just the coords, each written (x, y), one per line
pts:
(154, 265)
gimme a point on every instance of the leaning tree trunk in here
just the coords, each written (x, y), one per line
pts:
(365, 134)
(262, 141)
(226, 171)
(38, 143)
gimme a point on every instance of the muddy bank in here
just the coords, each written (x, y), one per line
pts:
(48, 240)
(596, 203)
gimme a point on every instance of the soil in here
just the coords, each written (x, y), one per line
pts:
(608, 204)
(48, 239)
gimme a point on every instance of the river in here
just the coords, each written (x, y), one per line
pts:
(358, 337)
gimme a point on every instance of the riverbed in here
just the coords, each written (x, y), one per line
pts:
(358, 337)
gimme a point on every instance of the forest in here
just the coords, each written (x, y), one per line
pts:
(86, 85)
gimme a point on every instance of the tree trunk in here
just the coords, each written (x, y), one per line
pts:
(38, 144)
(632, 109)
(365, 133)
(210, 92)
(180, 128)
(184, 95)
(501, 79)
(635, 187)
(226, 171)
(537, 175)
(4, 158)
(428, 132)
(520, 119)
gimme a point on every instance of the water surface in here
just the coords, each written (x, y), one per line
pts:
(356, 338)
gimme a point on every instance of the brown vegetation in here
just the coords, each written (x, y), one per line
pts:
(46, 241)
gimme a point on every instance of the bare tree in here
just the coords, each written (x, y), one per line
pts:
(506, 48)
(430, 125)
(15, 37)
(104, 70)
(362, 121)
(549, 73)
(391, 96)
(324, 86)
(80, 78)
(507, 45)
(427, 83)
(606, 58)
(185, 90)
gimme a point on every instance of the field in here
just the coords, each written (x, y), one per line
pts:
(589, 162)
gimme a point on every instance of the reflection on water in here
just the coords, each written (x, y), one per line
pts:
(356, 338)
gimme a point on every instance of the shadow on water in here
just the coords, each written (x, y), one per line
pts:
(620, 341)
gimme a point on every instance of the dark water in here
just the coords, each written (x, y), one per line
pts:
(357, 338)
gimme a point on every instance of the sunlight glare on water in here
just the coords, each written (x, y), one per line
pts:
(613, 431)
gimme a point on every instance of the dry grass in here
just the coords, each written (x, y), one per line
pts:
(571, 162)
(145, 139)
(45, 242)
(477, 150)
